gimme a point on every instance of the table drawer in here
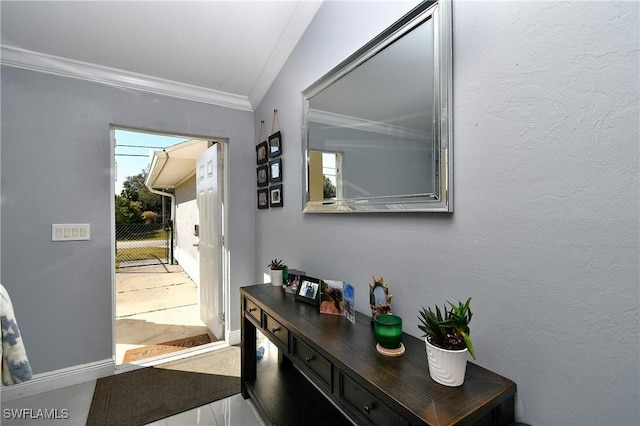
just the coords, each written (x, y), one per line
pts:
(253, 310)
(314, 362)
(366, 404)
(277, 330)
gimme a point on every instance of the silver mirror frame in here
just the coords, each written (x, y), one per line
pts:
(440, 13)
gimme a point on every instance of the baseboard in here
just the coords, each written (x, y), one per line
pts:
(58, 379)
(235, 337)
(70, 376)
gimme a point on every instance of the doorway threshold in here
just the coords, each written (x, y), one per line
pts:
(174, 356)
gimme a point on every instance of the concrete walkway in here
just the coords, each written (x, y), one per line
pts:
(155, 304)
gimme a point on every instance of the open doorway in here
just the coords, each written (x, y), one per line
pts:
(170, 275)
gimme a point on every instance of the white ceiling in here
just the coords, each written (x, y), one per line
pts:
(222, 47)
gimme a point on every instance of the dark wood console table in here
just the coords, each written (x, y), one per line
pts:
(328, 372)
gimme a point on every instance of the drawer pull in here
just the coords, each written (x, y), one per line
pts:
(274, 330)
(367, 408)
(308, 359)
(253, 309)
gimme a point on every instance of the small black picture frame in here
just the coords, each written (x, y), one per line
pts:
(275, 144)
(275, 170)
(308, 290)
(261, 153)
(262, 175)
(275, 196)
(263, 198)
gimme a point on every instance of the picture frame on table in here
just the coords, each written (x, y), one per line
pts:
(263, 198)
(262, 175)
(293, 281)
(332, 297)
(308, 290)
(275, 144)
(261, 153)
(275, 196)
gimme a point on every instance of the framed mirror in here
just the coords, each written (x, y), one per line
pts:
(377, 130)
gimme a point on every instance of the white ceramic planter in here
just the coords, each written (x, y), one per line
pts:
(445, 366)
(276, 277)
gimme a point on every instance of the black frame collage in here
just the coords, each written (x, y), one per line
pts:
(269, 172)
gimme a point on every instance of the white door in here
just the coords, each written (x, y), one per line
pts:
(210, 208)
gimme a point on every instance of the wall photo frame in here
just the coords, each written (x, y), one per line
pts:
(275, 170)
(275, 196)
(262, 175)
(308, 290)
(261, 153)
(275, 145)
(263, 198)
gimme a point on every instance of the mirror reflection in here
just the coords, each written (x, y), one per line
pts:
(372, 127)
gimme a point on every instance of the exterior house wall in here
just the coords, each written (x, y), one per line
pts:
(185, 252)
(545, 232)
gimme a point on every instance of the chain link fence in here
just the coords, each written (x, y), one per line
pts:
(144, 244)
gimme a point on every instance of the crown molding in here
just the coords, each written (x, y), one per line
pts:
(50, 64)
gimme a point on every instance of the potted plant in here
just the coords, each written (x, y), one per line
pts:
(277, 270)
(447, 341)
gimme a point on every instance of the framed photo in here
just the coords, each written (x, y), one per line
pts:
(263, 198)
(275, 196)
(332, 297)
(275, 144)
(263, 175)
(308, 290)
(275, 170)
(293, 282)
(261, 153)
(349, 303)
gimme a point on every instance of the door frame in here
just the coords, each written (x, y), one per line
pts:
(224, 251)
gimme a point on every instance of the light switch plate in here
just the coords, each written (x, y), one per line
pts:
(70, 231)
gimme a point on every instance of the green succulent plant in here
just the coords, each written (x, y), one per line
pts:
(277, 264)
(448, 331)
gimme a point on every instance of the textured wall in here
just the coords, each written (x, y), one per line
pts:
(55, 169)
(545, 233)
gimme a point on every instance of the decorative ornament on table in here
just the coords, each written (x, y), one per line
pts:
(379, 298)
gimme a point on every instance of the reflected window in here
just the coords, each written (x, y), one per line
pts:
(325, 181)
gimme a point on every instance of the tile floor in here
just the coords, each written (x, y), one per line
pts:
(77, 400)
(154, 304)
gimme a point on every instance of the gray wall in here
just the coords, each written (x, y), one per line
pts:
(545, 233)
(55, 169)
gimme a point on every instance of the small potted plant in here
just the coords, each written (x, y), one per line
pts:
(447, 341)
(277, 269)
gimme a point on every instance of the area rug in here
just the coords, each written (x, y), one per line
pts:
(165, 348)
(149, 394)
